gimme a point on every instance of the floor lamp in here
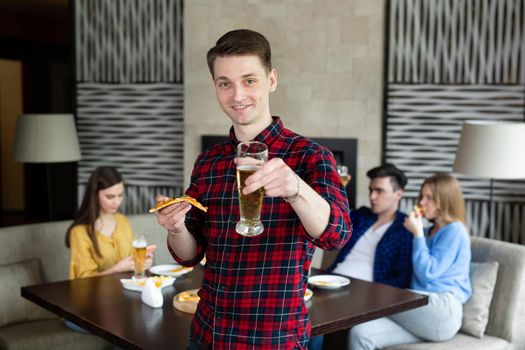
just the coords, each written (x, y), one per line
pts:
(491, 150)
(46, 138)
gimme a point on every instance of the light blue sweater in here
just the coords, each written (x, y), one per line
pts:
(442, 262)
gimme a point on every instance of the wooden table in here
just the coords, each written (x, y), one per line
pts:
(102, 306)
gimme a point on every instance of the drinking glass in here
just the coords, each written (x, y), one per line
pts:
(342, 170)
(250, 156)
(139, 248)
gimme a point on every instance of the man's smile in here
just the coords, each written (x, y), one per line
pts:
(240, 106)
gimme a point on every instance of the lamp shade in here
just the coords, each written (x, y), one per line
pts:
(491, 150)
(46, 138)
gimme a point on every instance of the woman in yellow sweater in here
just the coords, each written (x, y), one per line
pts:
(100, 238)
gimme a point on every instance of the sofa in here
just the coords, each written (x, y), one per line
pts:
(31, 254)
(37, 253)
(506, 309)
(493, 316)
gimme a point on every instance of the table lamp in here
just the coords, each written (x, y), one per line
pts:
(46, 138)
(493, 150)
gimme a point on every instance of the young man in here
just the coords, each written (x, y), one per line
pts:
(380, 248)
(252, 293)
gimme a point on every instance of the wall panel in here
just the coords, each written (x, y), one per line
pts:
(449, 61)
(129, 94)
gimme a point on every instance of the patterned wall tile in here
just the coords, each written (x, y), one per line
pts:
(130, 94)
(448, 62)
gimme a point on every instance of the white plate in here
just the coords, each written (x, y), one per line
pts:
(328, 281)
(137, 285)
(174, 270)
(308, 294)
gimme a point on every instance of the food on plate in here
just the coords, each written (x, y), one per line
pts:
(187, 301)
(177, 269)
(170, 270)
(325, 283)
(159, 280)
(188, 199)
(189, 296)
(328, 281)
(419, 209)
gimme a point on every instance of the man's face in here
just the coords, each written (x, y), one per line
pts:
(242, 88)
(383, 198)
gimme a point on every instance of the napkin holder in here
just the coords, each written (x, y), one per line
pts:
(151, 295)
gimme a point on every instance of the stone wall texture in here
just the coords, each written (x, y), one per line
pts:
(329, 60)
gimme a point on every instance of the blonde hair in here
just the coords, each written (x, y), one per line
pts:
(448, 197)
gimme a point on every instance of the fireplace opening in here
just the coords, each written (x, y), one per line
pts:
(343, 149)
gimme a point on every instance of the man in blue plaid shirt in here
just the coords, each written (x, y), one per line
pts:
(380, 248)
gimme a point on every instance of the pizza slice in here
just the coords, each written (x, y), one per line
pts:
(419, 209)
(189, 296)
(171, 201)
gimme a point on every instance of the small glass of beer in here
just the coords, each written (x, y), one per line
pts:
(139, 247)
(342, 170)
(250, 156)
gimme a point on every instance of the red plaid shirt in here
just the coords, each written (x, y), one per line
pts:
(252, 293)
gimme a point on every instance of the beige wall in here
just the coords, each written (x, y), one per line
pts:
(329, 59)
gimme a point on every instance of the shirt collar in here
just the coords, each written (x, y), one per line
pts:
(266, 136)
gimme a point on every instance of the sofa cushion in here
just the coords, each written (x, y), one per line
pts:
(476, 310)
(459, 342)
(48, 334)
(13, 307)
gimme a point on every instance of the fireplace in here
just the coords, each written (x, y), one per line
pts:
(344, 150)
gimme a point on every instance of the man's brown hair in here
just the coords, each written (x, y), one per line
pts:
(241, 42)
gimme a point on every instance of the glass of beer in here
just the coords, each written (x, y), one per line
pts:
(250, 156)
(342, 170)
(139, 247)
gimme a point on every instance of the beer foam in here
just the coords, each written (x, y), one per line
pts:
(249, 167)
(139, 243)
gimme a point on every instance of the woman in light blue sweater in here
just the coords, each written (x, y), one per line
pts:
(441, 260)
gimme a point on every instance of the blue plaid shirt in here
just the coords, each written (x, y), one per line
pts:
(393, 257)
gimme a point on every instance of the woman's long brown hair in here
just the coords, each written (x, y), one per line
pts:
(100, 179)
(448, 197)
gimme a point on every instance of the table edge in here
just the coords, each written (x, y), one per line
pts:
(345, 323)
(89, 326)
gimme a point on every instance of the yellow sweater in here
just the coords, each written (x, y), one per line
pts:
(84, 262)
